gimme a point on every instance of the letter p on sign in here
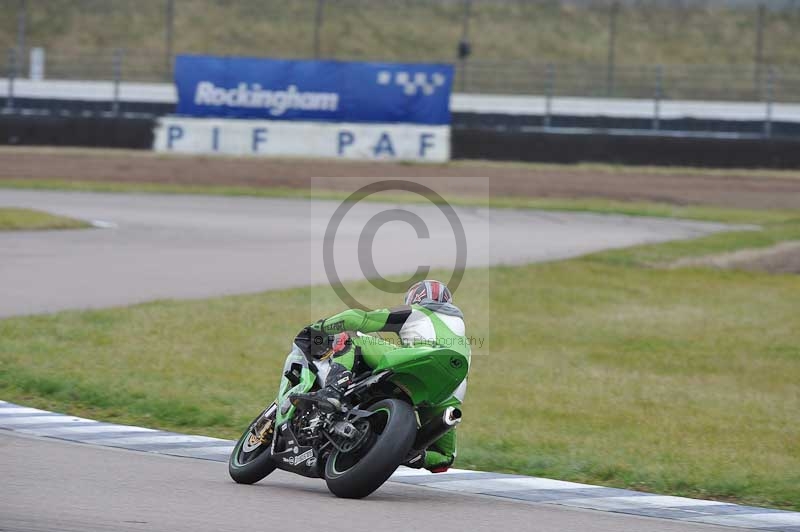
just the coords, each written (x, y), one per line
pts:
(173, 133)
(346, 138)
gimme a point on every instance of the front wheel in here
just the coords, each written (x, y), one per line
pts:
(356, 474)
(251, 459)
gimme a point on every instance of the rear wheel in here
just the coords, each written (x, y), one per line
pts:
(251, 459)
(356, 474)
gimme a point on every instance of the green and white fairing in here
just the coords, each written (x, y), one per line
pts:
(430, 364)
(402, 401)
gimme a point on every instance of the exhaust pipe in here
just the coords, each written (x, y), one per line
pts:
(437, 427)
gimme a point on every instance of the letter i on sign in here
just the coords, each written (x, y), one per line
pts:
(215, 139)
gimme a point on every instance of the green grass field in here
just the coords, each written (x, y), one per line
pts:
(542, 31)
(14, 219)
(604, 369)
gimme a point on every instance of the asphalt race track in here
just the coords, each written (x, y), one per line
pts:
(169, 246)
(158, 246)
(68, 487)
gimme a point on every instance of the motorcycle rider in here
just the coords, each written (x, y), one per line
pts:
(428, 317)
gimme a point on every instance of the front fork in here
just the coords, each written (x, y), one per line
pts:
(263, 429)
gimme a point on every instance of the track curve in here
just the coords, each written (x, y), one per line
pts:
(170, 246)
(195, 246)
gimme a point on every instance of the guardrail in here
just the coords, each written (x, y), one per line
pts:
(497, 112)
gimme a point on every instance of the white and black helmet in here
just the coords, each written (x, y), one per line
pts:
(428, 290)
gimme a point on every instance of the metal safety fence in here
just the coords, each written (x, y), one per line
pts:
(691, 49)
(780, 83)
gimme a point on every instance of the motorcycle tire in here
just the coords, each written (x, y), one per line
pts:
(355, 475)
(250, 462)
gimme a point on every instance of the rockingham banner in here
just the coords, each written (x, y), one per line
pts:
(334, 91)
(387, 111)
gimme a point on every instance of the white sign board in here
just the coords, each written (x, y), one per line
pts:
(274, 138)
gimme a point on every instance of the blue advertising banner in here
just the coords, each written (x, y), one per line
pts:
(337, 91)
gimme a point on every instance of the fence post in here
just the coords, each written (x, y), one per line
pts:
(318, 28)
(117, 66)
(770, 93)
(464, 47)
(657, 95)
(12, 74)
(169, 37)
(612, 45)
(22, 25)
(548, 98)
(759, 57)
(36, 64)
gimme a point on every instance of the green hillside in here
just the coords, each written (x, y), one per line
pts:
(528, 33)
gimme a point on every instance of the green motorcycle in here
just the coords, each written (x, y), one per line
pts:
(357, 447)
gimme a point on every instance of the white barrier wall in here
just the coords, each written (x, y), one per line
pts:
(459, 103)
(273, 138)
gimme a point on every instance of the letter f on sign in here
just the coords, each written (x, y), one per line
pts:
(259, 138)
(425, 142)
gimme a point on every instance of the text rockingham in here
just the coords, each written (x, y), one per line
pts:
(254, 96)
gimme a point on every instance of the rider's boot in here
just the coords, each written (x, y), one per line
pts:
(329, 398)
(442, 453)
(336, 384)
(437, 458)
(415, 460)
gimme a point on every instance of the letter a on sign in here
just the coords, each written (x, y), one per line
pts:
(384, 145)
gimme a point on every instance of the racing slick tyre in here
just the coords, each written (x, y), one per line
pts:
(251, 459)
(356, 474)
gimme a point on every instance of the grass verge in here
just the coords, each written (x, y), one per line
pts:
(591, 168)
(14, 219)
(596, 205)
(600, 369)
(648, 32)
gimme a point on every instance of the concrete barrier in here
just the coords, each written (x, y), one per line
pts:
(633, 149)
(466, 143)
(90, 131)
